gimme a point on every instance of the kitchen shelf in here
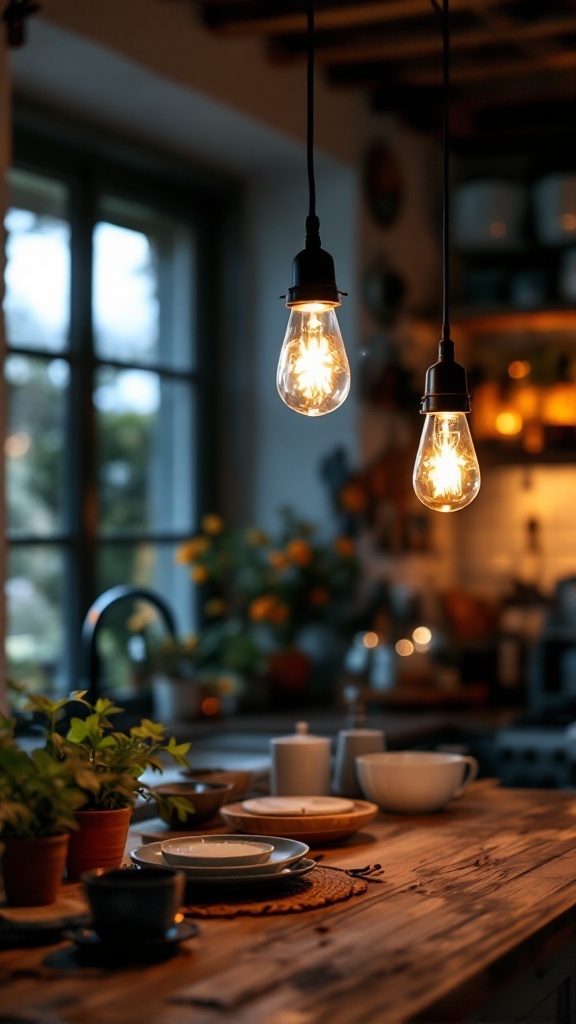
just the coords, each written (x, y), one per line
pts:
(507, 320)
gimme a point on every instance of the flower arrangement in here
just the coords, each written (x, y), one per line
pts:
(260, 591)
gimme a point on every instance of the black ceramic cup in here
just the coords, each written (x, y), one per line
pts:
(133, 906)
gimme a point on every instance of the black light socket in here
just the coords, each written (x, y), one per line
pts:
(446, 388)
(313, 278)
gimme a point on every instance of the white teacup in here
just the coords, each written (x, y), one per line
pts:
(414, 781)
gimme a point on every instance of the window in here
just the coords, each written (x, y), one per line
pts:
(109, 449)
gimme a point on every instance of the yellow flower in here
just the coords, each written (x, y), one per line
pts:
(257, 538)
(299, 552)
(215, 607)
(199, 574)
(212, 524)
(278, 559)
(143, 617)
(189, 551)
(353, 497)
(259, 609)
(190, 643)
(226, 685)
(345, 547)
(319, 596)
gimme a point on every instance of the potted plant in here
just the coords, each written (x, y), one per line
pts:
(265, 595)
(201, 674)
(39, 796)
(113, 763)
(173, 666)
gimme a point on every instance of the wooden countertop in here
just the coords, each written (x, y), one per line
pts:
(470, 901)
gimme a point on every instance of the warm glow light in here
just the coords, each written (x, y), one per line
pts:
(519, 368)
(559, 404)
(422, 635)
(211, 706)
(17, 444)
(497, 229)
(446, 472)
(404, 648)
(313, 375)
(370, 639)
(568, 221)
(533, 438)
(509, 422)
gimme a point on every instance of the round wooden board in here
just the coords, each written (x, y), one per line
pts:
(308, 828)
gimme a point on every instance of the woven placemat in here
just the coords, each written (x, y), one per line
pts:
(319, 888)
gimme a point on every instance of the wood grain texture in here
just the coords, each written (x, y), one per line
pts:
(468, 900)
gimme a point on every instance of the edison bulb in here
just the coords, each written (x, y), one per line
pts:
(446, 473)
(313, 375)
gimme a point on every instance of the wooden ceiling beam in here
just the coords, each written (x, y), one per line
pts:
(253, 17)
(490, 71)
(388, 48)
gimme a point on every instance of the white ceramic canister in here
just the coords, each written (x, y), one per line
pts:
(350, 743)
(300, 764)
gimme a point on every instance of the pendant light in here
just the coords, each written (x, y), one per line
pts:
(313, 376)
(446, 472)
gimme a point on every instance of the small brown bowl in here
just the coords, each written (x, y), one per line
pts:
(240, 780)
(205, 797)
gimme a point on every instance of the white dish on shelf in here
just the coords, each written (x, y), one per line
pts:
(215, 851)
(290, 806)
(256, 874)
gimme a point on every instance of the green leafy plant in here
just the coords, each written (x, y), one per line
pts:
(38, 792)
(113, 762)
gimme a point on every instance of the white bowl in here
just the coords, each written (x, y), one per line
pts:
(414, 781)
(214, 851)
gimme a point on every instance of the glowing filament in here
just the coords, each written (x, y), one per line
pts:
(313, 373)
(446, 472)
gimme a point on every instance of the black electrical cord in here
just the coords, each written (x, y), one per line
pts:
(312, 222)
(313, 275)
(446, 388)
(443, 12)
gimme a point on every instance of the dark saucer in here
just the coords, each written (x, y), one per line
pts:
(88, 941)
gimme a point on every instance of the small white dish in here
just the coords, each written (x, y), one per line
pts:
(294, 806)
(294, 866)
(215, 851)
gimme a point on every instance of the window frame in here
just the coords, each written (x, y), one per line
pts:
(93, 165)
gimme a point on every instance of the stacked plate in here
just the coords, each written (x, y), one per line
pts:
(309, 819)
(287, 860)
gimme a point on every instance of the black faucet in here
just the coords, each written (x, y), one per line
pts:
(92, 623)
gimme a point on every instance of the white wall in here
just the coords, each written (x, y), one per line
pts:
(286, 447)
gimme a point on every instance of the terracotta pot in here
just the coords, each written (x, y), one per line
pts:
(99, 842)
(32, 870)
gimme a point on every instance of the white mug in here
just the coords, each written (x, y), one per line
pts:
(414, 781)
(349, 744)
(300, 764)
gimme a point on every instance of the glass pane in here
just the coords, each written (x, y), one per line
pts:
(34, 448)
(34, 593)
(145, 448)
(142, 288)
(129, 624)
(37, 297)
